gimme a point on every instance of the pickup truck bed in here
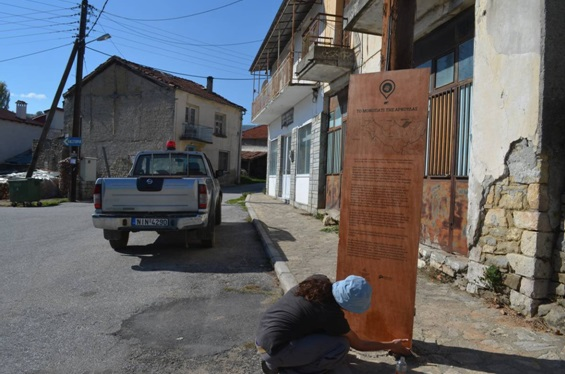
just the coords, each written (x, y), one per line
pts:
(160, 194)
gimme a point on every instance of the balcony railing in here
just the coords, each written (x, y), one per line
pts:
(197, 132)
(326, 50)
(325, 30)
(281, 78)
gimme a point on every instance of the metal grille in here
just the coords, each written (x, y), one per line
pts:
(449, 129)
(440, 128)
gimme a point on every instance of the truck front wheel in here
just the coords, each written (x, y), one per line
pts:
(121, 243)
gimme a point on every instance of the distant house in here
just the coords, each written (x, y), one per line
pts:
(127, 107)
(17, 132)
(57, 124)
(254, 149)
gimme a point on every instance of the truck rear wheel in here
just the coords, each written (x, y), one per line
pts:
(218, 214)
(207, 235)
(121, 243)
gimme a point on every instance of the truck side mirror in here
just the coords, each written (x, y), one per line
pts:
(219, 173)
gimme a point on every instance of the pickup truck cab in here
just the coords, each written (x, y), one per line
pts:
(164, 191)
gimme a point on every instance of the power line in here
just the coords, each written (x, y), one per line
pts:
(35, 53)
(170, 39)
(181, 74)
(162, 42)
(97, 18)
(175, 18)
(39, 33)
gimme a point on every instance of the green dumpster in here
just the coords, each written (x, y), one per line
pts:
(25, 191)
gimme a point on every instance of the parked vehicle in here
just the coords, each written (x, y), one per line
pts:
(164, 191)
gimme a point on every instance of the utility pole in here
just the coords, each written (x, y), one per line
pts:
(51, 114)
(75, 150)
(398, 34)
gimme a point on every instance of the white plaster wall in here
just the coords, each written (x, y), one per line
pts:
(302, 189)
(272, 185)
(304, 112)
(506, 90)
(206, 117)
(16, 138)
(367, 52)
(57, 125)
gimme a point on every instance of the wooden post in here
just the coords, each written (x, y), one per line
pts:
(398, 34)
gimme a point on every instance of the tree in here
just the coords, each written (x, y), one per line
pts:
(4, 96)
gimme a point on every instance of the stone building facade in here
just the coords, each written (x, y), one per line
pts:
(127, 108)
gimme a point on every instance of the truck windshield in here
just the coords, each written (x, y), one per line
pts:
(169, 164)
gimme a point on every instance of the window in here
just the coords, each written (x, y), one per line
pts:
(169, 164)
(190, 115)
(224, 161)
(447, 151)
(336, 125)
(220, 124)
(273, 152)
(465, 65)
(444, 70)
(287, 118)
(304, 141)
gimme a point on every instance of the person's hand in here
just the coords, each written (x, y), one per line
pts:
(396, 347)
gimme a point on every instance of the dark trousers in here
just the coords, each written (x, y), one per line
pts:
(317, 353)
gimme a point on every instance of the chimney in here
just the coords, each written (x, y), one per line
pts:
(210, 84)
(21, 109)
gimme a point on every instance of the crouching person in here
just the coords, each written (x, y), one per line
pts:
(306, 331)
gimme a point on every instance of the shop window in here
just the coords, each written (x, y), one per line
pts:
(273, 152)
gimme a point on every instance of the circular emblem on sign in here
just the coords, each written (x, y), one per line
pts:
(149, 181)
(387, 88)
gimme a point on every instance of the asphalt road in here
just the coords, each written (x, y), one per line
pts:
(71, 304)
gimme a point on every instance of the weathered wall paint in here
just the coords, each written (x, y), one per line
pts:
(507, 68)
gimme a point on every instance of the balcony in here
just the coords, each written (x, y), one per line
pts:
(326, 51)
(279, 94)
(364, 16)
(197, 132)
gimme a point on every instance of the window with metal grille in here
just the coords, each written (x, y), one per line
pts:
(287, 118)
(448, 52)
(451, 93)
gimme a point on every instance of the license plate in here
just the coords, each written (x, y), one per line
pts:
(150, 222)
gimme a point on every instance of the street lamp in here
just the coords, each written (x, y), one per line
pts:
(100, 38)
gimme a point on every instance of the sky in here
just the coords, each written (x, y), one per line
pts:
(192, 39)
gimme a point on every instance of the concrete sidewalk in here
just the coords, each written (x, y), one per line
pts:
(454, 331)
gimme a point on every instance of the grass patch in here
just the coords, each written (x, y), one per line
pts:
(249, 180)
(55, 201)
(272, 295)
(333, 228)
(239, 201)
(44, 202)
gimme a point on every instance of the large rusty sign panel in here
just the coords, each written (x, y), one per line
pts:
(382, 196)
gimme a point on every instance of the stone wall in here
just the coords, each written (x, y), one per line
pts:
(122, 113)
(516, 235)
(52, 152)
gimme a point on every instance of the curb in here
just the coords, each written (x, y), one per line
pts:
(276, 257)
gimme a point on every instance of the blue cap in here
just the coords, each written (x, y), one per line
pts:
(353, 294)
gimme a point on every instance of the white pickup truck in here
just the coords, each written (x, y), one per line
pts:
(164, 191)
